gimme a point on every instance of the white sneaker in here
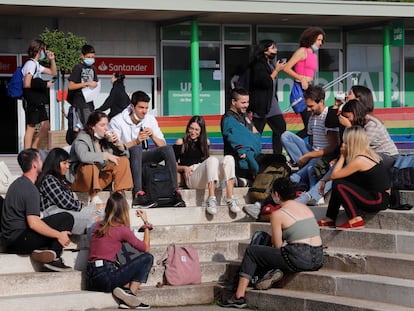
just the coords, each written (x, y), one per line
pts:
(253, 210)
(211, 205)
(95, 200)
(233, 206)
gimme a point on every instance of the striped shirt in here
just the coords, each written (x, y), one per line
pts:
(318, 130)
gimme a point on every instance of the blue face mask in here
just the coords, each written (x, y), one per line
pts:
(89, 61)
(42, 55)
(314, 48)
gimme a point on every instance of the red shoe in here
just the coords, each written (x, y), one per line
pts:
(326, 223)
(357, 223)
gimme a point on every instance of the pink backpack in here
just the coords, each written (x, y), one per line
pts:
(182, 266)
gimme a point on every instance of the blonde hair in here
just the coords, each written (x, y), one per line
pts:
(116, 214)
(357, 142)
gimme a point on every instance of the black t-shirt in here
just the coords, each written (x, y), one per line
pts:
(80, 73)
(193, 156)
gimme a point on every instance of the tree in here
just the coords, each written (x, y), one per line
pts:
(67, 54)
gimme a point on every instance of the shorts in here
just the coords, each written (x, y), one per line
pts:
(35, 113)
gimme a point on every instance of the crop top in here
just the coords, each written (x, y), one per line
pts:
(308, 66)
(301, 229)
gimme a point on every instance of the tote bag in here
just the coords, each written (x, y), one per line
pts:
(297, 101)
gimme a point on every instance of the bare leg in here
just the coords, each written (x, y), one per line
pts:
(241, 287)
(44, 129)
(28, 136)
(134, 287)
(212, 188)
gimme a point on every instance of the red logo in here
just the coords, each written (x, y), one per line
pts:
(129, 66)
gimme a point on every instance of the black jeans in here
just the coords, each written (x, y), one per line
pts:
(278, 125)
(30, 240)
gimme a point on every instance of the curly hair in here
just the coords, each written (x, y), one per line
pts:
(309, 36)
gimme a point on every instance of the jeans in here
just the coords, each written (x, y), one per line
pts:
(138, 157)
(305, 174)
(313, 192)
(278, 125)
(295, 146)
(30, 240)
(109, 275)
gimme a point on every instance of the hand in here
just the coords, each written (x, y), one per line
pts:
(141, 213)
(344, 121)
(92, 84)
(280, 66)
(302, 161)
(344, 151)
(50, 54)
(187, 172)
(143, 135)
(321, 188)
(242, 156)
(148, 131)
(113, 158)
(304, 83)
(49, 84)
(63, 238)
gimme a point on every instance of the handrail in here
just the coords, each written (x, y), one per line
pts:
(340, 78)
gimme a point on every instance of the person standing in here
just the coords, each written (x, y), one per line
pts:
(83, 75)
(36, 92)
(23, 231)
(262, 90)
(200, 169)
(304, 63)
(118, 99)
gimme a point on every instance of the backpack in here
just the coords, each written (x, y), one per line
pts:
(182, 265)
(402, 173)
(244, 79)
(262, 184)
(157, 184)
(15, 85)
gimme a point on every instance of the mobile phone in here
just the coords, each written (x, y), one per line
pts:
(283, 60)
(53, 79)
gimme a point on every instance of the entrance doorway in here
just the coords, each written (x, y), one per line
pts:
(8, 120)
(236, 59)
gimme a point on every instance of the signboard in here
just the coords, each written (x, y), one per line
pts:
(398, 34)
(8, 64)
(129, 66)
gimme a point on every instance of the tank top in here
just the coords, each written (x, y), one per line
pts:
(308, 66)
(301, 229)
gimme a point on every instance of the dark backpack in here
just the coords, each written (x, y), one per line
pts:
(244, 79)
(277, 168)
(15, 85)
(402, 176)
(158, 185)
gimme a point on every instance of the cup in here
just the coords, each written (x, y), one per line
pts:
(108, 136)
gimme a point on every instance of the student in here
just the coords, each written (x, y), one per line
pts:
(98, 158)
(200, 169)
(134, 127)
(103, 271)
(297, 245)
(83, 75)
(23, 231)
(36, 92)
(360, 181)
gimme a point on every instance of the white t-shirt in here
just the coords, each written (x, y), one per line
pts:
(33, 67)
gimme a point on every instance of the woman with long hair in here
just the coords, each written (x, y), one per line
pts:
(199, 169)
(97, 158)
(296, 245)
(56, 196)
(360, 181)
(118, 98)
(263, 101)
(104, 273)
(304, 63)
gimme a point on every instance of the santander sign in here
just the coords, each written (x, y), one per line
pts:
(129, 66)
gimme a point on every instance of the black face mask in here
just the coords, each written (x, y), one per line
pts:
(272, 55)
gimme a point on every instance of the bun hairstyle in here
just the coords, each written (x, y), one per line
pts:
(119, 76)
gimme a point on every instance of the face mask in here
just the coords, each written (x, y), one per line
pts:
(272, 55)
(97, 136)
(314, 48)
(136, 117)
(42, 55)
(89, 61)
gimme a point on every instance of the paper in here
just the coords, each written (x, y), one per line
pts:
(90, 94)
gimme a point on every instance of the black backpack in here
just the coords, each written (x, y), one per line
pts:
(158, 185)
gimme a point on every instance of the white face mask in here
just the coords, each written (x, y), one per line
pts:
(314, 48)
(97, 136)
(137, 118)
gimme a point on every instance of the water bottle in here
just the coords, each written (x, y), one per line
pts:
(144, 142)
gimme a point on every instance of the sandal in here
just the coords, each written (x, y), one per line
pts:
(326, 223)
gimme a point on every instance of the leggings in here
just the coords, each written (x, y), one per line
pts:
(355, 199)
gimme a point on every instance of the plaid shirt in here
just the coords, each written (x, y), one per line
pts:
(54, 192)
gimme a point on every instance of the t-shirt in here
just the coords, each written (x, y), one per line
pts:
(107, 246)
(318, 131)
(22, 199)
(190, 157)
(80, 73)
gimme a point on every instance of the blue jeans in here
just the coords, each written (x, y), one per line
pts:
(313, 191)
(138, 157)
(109, 276)
(295, 146)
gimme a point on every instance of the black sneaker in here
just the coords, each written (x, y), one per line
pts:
(269, 279)
(43, 255)
(234, 302)
(141, 200)
(57, 266)
(178, 199)
(141, 306)
(126, 298)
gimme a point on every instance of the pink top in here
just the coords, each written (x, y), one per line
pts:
(107, 246)
(308, 66)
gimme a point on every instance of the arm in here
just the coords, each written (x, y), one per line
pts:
(333, 140)
(276, 222)
(85, 150)
(39, 226)
(109, 101)
(299, 55)
(52, 70)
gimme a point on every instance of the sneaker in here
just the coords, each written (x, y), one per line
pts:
(43, 255)
(253, 210)
(232, 205)
(141, 306)
(178, 199)
(141, 200)
(234, 302)
(126, 298)
(95, 200)
(211, 204)
(57, 265)
(242, 182)
(269, 279)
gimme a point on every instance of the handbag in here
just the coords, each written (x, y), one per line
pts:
(297, 101)
(182, 265)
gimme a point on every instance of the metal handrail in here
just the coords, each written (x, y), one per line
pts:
(340, 78)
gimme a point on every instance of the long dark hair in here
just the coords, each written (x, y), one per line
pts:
(201, 141)
(260, 48)
(51, 166)
(364, 95)
(358, 110)
(93, 119)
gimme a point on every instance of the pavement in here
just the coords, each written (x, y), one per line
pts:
(180, 308)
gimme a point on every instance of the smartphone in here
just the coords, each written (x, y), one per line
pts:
(53, 79)
(283, 60)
